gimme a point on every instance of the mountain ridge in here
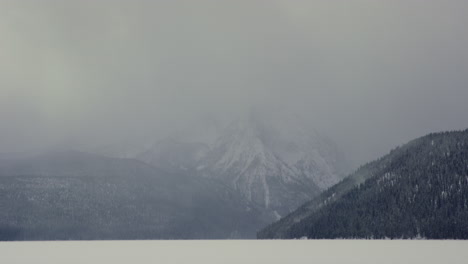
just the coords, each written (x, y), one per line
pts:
(81, 196)
(391, 195)
(272, 161)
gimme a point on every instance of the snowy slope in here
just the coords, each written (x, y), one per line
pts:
(418, 190)
(272, 160)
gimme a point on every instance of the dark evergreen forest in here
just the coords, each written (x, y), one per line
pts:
(419, 190)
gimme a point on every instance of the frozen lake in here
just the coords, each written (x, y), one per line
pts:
(236, 251)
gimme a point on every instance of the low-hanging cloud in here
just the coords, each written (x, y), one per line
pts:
(371, 74)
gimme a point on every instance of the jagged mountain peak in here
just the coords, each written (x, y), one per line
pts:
(284, 137)
(272, 159)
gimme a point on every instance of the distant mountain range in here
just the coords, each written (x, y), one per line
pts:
(419, 190)
(232, 181)
(211, 181)
(272, 160)
(80, 196)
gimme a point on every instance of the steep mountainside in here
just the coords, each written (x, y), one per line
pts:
(272, 161)
(72, 195)
(417, 190)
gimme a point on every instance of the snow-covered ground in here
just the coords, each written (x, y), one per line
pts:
(237, 251)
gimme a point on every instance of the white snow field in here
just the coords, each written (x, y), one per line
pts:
(237, 251)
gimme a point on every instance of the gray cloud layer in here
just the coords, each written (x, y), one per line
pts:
(371, 74)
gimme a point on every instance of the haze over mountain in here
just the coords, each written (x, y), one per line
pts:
(212, 180)
(169, 86)
(119, 74)
(80, 196)
(418, 190)
(272, 159)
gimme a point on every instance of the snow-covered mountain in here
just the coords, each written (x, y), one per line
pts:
(272, 160)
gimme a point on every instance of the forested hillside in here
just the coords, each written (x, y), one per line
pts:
(419, 190)
(80, 196)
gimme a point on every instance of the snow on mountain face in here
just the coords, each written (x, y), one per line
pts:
(271, 160)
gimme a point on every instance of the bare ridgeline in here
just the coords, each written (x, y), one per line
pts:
(241, 178)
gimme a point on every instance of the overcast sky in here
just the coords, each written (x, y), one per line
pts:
(370, 74)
